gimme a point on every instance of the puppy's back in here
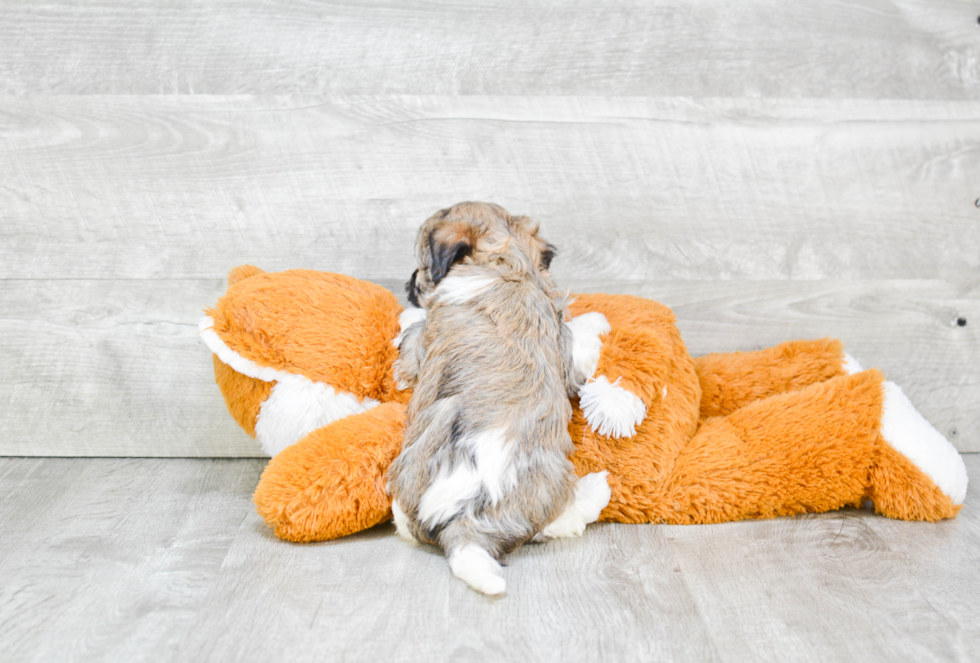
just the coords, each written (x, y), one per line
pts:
(485, 456)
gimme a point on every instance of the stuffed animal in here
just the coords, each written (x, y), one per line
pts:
(306, 363)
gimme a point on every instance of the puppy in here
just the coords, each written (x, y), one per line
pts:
(484, 467)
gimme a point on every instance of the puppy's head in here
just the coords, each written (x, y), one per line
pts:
(475, 233)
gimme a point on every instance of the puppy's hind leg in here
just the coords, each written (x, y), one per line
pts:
(592, 495)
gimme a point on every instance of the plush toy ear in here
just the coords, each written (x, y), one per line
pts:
(447, 246)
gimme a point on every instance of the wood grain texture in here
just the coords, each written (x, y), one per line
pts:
(176, 187)
(116, 368)
(109, 560)
(111, 368)
(165, 560)
(854, 49)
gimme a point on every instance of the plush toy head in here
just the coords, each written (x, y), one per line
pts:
(298, 349)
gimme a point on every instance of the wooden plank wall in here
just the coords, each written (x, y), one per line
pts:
(770, 170)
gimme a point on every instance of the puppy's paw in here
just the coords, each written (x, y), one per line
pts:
(587, 331)
(407, 318)
(474, 566)
(401, 522)
(611, 410)
(592, 494)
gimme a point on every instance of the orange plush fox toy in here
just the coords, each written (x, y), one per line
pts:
(306, 361)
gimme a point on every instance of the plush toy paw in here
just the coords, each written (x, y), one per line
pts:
(611, 410)
(587, 331)
(592, 495)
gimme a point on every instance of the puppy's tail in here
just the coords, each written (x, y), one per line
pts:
(477, 568)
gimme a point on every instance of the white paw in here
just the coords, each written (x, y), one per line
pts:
(401, 522)
(915, 438)
(406, 319)
(851, 365)
(587, 330)
(592, 495)
(610, 409)
(400, 384)
(474, 566)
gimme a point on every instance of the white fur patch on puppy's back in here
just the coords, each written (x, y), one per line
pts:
(493, 454)
(451, 490)
(587, 330)
(448, 494)
(461, 289)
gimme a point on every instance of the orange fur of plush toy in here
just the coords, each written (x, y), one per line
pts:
(776, 432)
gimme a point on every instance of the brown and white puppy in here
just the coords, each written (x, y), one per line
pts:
(484, 467)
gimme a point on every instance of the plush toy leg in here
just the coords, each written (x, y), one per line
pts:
(817, 449)
(731, 381)
(332, 482)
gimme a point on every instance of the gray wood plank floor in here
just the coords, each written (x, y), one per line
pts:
(166, 560)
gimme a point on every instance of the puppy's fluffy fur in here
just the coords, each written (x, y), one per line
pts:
(484, 466)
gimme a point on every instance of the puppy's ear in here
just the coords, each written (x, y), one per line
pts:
(547, 256)
(412, 289)
(447, 245)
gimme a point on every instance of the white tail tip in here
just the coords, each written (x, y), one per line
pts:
(474, 566)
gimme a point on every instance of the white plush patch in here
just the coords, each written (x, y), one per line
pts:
(493, 454)
(295, 407)
(474, 566)
(915, 438)
(461, 289)
(592, 495)
(406, 319)
(448, 493)
(851, 365)
(237, 362)
(401, 522)
(586, 342)
(610, 409)
(298, 406)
